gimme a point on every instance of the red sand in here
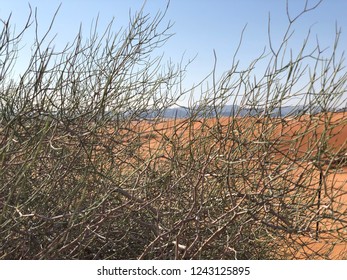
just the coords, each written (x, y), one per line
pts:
(295, 138)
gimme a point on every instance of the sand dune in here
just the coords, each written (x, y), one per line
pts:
(300, 142)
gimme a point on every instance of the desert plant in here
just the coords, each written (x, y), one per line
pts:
(90, 168)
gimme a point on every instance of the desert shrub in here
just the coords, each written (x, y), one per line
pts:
(91, 169)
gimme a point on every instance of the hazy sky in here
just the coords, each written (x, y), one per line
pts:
(200, 26)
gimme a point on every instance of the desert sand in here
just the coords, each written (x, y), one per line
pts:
(318, 140)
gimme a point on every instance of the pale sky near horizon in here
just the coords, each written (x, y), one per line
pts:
(200, 27)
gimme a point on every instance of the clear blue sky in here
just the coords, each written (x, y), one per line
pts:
(200, 26)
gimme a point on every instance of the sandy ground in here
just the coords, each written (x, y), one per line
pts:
(302, 137)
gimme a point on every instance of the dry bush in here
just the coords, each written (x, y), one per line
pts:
(84, 174)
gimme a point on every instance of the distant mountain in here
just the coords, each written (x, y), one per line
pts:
(235, 110)
(341, 110)
(226, 111)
